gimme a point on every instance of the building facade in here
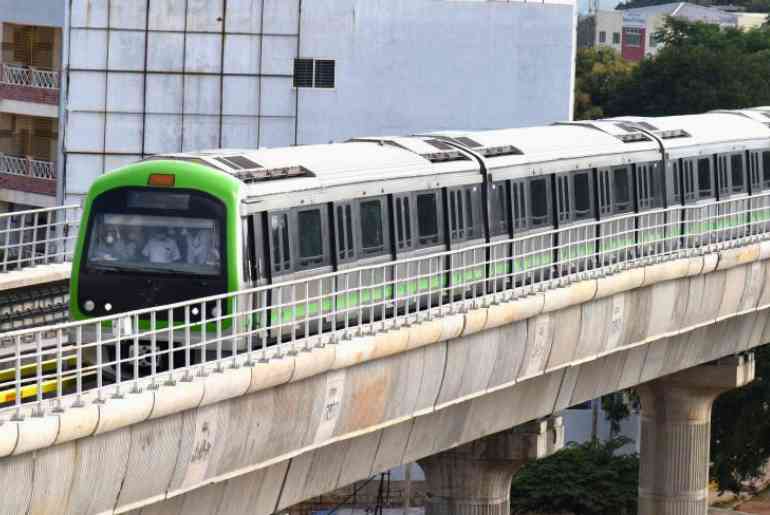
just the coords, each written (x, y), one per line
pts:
(147, 77)
(632, 32)
(30, 70)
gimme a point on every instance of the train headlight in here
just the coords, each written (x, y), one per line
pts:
(89, 305)
(108, 307)
(215, 311)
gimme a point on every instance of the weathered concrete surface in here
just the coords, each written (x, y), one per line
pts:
(675, 438)
(475, 478)
(34, 276)
(325, 418)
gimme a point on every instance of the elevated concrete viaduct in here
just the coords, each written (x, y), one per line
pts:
(257, 439)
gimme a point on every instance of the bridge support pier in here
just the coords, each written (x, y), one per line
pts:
(676, 433)
(475, 478)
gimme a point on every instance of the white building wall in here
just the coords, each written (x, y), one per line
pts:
(611, 23)
(177, 75)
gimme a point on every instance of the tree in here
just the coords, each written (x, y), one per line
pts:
(740, 429)
(700, 67)
(586, 479)
(598, 72)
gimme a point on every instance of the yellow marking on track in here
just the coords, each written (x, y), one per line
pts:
(31, 368)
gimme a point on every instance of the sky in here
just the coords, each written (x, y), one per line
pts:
(604, 5)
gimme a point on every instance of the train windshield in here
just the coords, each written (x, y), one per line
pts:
(122, 240)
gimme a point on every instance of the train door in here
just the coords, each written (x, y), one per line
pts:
(533, 244)
(759, 168)
(361, 241)
(467, 269)
(698, 186)
(299, 253)
(617, 227)
(500, 249)
(732, 186)
(576, 217)
(418, 227)
(653, 235)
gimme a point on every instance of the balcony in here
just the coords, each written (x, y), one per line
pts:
(26, 84)
(27, 175)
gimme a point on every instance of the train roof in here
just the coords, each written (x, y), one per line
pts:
(557, 148)
(689, 135)
(317, 167)
(757, 115)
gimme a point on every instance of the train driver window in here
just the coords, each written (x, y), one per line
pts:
(738, 173)
(428, 223)
(705, 187)
(372, 227)
(766, 169)
(539, 202)
(310, 235)
(583, 196)
(279, 228)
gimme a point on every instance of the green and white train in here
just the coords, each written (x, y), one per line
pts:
(184, 226)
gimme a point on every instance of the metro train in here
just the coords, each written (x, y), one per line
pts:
(190, 225)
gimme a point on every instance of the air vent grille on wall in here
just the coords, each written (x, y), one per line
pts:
(268, 174)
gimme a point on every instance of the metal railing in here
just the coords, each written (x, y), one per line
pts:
(38, 236)
(20, 75)
(27, 167)
(67, 364)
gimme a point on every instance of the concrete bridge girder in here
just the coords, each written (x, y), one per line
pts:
(275, 434)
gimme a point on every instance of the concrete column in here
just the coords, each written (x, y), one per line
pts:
(475, 478)
(676, 433)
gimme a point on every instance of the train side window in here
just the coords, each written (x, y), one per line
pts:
(501, 209)
(766, 169)
(279, 228)
(563, 198)
(539, 202)
(456, 215)
(345, 242)
(649, 185)
(428, 223)
(705, 187)
(737, 170)
(723, 176)
(310, 234)
(621, 185)
(373, 236)
(605, 195)
(403, 220)
(583, 196)
(519, 206)
(676, 169)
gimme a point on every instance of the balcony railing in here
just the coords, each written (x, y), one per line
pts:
(18, 75)
(27, 167)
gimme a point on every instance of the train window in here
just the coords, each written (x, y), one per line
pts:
(605, 197)
(280, 242)
(428, 227)
(310, 233)
(723, 176)
(519, 205)
(539, 202)
(344, 233)
(563, 198)
(464, 213)
(677, 180)
(649, 185)
(766, 169)
(705, 188)
(582, 181)
(501, 209)
(621, 183)
(372, 227)
(737, 172)
(403, 219)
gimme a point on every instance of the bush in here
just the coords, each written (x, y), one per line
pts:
(585, 479)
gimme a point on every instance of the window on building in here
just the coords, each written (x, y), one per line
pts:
(616, 38)
(314, 73)
(602, 37)
(632, 36)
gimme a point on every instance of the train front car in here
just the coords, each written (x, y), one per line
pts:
(156, 232)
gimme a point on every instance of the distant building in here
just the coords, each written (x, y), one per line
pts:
(631, 32)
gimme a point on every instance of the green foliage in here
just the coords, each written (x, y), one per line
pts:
(586, 479)
(740, 429)
(701, 67)
(617, 407)
(598, 74)
(752, 6)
